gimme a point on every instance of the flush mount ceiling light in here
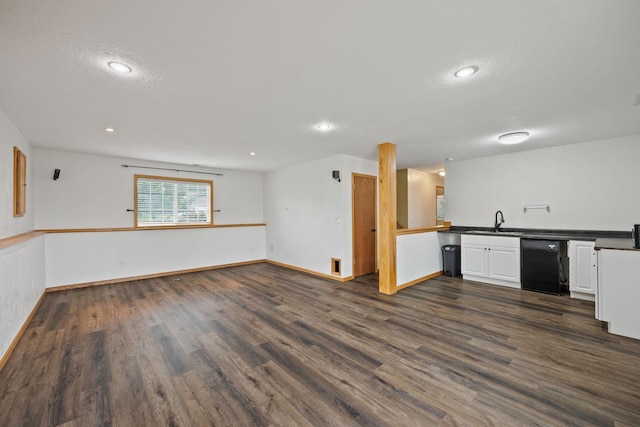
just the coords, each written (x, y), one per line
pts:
(119, 67)
(466, 71)
(109, 130)
(513, 138)
(441, 173)
(253, 153)
(323, 127)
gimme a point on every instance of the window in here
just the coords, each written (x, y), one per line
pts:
(19, 183)
(167, 202)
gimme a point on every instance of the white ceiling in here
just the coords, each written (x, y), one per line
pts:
(215, 80)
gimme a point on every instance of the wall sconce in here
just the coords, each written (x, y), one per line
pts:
(336, 175)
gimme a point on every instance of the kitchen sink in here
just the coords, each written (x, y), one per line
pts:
(494, 233)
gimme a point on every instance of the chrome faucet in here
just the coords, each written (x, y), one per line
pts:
(500, 221)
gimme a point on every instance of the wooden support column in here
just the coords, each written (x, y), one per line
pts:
(388, 217)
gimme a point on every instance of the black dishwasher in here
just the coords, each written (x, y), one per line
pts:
(540, 264)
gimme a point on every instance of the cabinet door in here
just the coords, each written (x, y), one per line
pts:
(504, 263)
(582, 267)
(474, 260)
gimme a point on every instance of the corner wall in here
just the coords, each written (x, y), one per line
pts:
(417, 198)
(308, 213)
(21, 265)
(590, 185)
(422, 198)
(94, 192)
(10, 136)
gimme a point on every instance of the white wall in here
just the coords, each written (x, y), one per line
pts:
(417, 255)
(95, 191)
(591, 185)
(308, 213)
(421, 198)
(21, 265)
(417, 198)
(95, 256)
(22, 284)
(10, 136)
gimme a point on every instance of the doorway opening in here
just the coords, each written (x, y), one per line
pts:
(439, 205)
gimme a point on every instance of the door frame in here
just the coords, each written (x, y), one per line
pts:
(353, 228)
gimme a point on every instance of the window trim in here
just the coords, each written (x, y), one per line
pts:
(136, 177)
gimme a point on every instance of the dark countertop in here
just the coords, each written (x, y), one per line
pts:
(545, 234)
(613, 243)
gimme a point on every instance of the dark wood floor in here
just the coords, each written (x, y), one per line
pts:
(261, 345)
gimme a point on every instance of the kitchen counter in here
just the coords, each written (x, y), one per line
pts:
(625, 244)
(545, 234)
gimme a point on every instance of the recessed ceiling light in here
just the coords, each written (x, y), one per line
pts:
(513, 138)
(466, 71)
(119, 67)
(441, 173)
(109, 130)
(252, 153)
(449, 159)
(323, 127)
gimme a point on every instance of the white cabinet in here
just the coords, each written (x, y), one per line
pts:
(491, 259)
(475, 260)
(583, 270)
(504, 263)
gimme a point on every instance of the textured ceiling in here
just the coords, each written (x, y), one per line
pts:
(216, 80)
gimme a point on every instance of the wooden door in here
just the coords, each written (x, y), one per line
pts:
(364, 224)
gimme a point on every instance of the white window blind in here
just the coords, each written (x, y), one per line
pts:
(167, 202)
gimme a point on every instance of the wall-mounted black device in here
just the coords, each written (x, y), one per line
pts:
(336, 175)
(56, 174)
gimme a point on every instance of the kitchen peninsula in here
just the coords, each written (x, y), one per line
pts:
(618, 286)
